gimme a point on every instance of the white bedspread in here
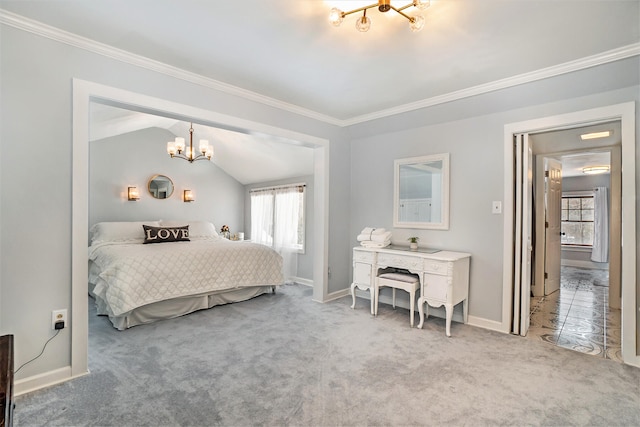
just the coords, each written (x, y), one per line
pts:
(133, 275)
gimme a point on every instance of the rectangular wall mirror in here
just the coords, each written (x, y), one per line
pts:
(421, 192)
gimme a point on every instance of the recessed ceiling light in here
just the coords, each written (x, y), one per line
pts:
(596, 135)
(592, 170)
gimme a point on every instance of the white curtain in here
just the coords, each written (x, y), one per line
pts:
(600, 251)
(286, 218)
(276, 222)
(262, 218)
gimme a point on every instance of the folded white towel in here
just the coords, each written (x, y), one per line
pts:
(374, 237)
(372, 230)
(371, 244)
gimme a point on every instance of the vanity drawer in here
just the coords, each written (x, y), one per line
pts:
(364, 256)
(399, 261)
(362, 274)
(435, 287)
(436, 267)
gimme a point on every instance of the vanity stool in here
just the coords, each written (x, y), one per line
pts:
(406, 282)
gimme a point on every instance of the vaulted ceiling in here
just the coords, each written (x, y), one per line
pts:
(249, 158)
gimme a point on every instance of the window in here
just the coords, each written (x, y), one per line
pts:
(577, 220)
(277, 217)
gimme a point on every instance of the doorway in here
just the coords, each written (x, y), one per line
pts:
(578, 316)
(514, 279)
(84, 93)
(575, 301)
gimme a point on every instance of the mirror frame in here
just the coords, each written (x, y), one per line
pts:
(444, 212)
(173, 187)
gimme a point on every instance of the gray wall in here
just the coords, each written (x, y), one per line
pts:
(35, 205)
(305, 261)
(476, 145)
(36, 199)
(132, 159)
(585, 182)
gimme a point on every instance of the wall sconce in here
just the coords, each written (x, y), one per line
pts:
(132, 194)
(188, 196)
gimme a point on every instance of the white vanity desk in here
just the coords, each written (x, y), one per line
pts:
(444, 276)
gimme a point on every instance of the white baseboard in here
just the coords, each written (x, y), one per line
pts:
(440, 312)
(46, 379)
(481, 322)
(585, 264)
(337, 294)
(302, 281)
(403, 301)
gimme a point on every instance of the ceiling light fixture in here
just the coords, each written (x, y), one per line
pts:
(593, 170)
(416, 23)
(596, 135)
(175, 149)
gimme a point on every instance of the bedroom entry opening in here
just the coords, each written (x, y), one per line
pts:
(87, 95)
(274, 218)
(575, 299)
(567, 238)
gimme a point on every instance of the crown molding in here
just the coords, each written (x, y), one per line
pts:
(544, 73)
(38, 28)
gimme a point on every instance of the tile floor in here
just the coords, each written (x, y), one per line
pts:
(578, 316)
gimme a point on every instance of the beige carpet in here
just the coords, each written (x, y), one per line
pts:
(285, 360)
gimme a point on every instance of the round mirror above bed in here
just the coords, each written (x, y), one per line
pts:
(160, 186)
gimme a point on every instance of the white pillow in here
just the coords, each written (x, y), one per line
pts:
(129, 232)
(197, 229)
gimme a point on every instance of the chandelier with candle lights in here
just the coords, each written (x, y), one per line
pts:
(177, 149)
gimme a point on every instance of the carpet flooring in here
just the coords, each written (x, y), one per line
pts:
(282, 359)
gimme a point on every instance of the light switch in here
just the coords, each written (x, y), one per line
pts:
(496, 207)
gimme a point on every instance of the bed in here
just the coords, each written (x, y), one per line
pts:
(144, 271)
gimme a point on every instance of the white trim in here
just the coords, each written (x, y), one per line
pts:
(556, 70)
(335, 295)
(79, 230)
(585, 264)
(483, 323)
(38, 28)
(321, 224)
(45, 379)
(83, 93)
(439, 312)
(578, 193)
(624, 112)
(570, 248)
(302, 281)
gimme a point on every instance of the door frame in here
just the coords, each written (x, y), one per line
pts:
(615, 242)
(84, 92)
(523, 162)
(624, 112)
(541, 224)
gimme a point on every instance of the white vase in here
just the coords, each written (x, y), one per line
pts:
(413, 245)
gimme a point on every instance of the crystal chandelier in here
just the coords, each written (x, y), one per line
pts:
(416, 23)
(177, 149)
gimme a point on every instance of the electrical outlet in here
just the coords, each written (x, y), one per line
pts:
(57, 317)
